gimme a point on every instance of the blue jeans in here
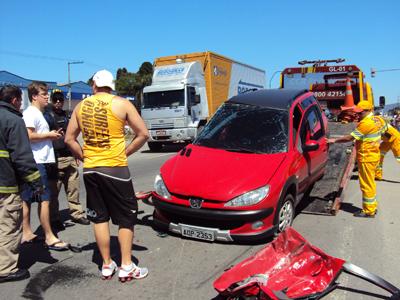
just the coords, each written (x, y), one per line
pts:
(27, 193)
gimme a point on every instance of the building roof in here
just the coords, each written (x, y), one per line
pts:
(12, 79)
(273, 98)
(79, 89)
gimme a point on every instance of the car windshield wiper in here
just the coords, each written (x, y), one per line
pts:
(242, 150)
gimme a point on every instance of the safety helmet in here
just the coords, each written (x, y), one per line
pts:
(364, 105)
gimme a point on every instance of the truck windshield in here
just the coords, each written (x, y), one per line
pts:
(247, 129)
(172, 98)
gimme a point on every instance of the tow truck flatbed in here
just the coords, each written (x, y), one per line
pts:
(326, 195)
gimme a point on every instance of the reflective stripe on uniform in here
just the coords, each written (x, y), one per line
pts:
(398, 159)
(8, 189)
(32, 177)
(4, 153)
(369, 200)
(371, 137)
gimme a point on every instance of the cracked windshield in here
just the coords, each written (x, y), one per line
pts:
(246, 128)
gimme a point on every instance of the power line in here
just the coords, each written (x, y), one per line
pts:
(21, 54)
(44, 57)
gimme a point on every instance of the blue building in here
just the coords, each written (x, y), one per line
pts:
(79, 90)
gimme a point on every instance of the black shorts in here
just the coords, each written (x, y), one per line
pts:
(110, 194)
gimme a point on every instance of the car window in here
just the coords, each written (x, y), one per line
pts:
(307, 102)
(312, 128)
(246, 128)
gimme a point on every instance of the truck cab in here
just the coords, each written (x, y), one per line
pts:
(175, 105)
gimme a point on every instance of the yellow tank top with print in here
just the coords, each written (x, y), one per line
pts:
(103, 133)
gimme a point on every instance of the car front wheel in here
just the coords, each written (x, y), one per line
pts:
(286, 213)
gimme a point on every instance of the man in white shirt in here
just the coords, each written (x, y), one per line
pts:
(41, 139)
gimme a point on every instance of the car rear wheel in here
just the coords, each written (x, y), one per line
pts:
(286, 213)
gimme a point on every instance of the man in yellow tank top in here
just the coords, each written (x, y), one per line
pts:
(110, 194)
(368, 137)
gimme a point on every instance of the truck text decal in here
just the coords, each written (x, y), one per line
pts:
(170, 71)
(244, 87)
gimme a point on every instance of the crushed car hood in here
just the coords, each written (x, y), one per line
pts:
(218, 174)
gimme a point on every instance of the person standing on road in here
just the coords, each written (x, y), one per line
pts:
(17, 165)
(368, 137)
(41, 143)
(110, 194)
(67, 167)
(390, 141)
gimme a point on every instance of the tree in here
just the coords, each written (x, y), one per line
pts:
(132, 84)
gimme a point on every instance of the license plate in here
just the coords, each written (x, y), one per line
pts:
(161, 132)
(196, 233)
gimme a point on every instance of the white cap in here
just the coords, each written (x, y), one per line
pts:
(104, 78)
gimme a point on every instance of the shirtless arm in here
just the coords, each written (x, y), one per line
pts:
(71, 136)
(136, 123)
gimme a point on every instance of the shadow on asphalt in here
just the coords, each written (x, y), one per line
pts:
(349, 207)
(115, 252)
(32, 253)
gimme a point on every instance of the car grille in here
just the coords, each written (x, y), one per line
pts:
(222, 225)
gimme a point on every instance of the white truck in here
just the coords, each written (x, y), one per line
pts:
(187, 90)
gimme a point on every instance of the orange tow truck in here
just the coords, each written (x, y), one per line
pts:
(338, 88)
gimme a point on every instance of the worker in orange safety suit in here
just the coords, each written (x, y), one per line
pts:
(390, 141)
(368, 137)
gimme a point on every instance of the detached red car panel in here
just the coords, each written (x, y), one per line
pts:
(250, 166)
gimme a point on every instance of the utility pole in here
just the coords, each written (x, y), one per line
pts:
(69, 82)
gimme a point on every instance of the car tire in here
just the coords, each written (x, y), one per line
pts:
(285, 214)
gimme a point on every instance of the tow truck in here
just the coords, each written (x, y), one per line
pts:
(337, 87)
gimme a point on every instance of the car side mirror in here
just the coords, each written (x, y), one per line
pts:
(310, 146)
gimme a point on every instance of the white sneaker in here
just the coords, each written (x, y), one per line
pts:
(127, 273)
(107, 271)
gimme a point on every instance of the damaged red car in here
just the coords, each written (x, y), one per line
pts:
(243, 176)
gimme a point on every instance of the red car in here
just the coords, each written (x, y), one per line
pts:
(243, 176)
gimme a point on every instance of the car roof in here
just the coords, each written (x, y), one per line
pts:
(272, 98)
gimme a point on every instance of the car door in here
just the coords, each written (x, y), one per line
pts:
(313, 131)
(299, 166)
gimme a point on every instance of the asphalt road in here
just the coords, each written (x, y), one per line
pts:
(185, 269)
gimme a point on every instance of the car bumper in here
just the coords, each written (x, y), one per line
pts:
(201, 218)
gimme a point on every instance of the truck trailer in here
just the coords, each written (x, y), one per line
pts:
(330, 84)
(186, 91)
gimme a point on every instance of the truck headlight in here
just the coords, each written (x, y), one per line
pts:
(249, 198)
(160, 188)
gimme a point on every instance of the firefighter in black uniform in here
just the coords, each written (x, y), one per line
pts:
(17, 166)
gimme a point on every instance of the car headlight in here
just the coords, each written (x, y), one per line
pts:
(249, 198)
(160, 188)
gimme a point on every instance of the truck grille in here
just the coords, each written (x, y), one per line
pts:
(162, 126)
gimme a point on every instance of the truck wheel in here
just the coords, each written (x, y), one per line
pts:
(155, 147)
(285, 214)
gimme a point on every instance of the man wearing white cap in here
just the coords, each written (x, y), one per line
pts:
(110, 194)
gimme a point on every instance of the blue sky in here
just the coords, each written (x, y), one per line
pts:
(38, 38)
